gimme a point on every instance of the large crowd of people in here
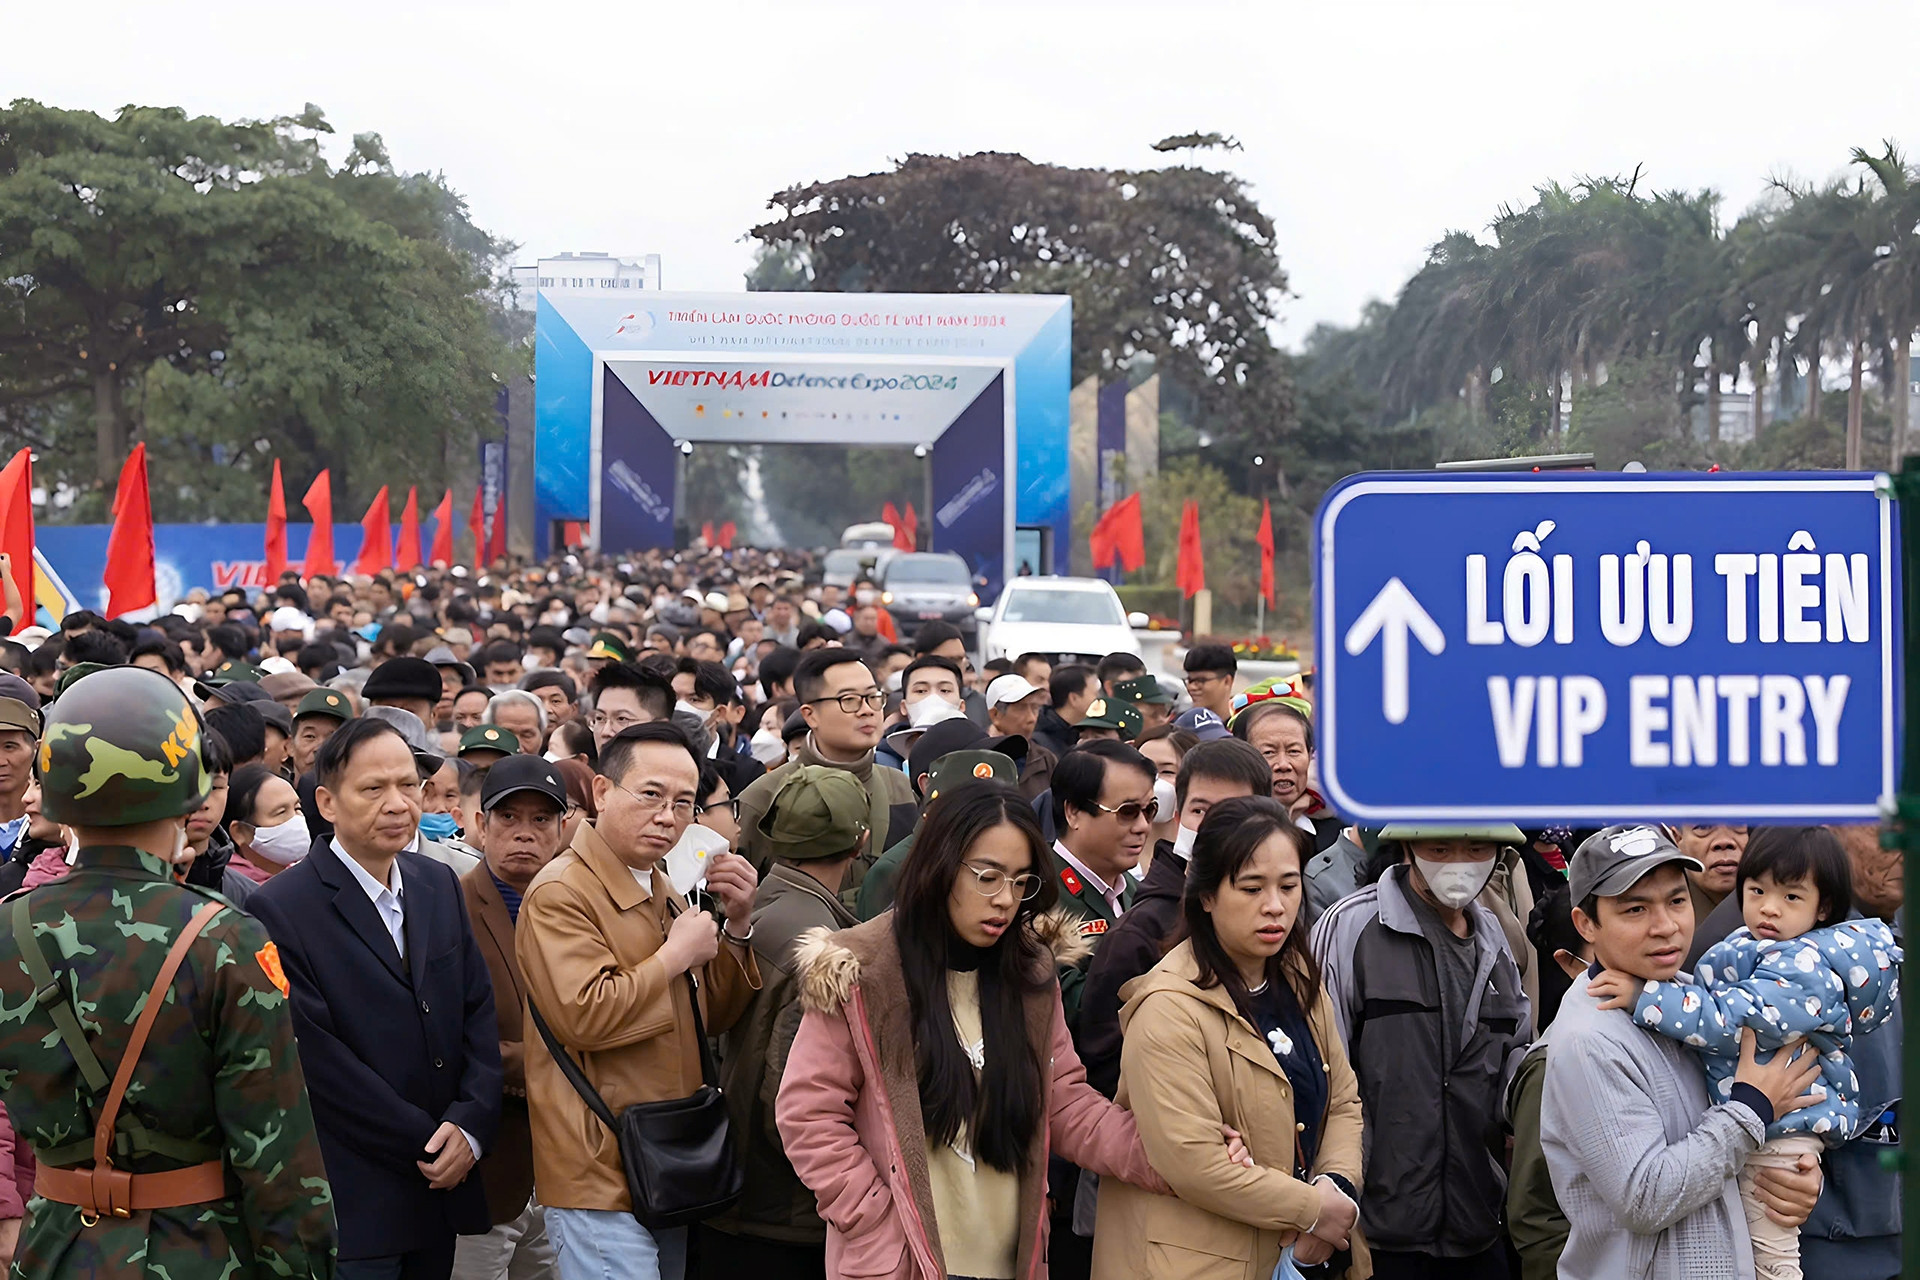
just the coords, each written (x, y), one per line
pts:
(684, 915)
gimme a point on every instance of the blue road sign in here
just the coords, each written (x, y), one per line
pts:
(1599, 648)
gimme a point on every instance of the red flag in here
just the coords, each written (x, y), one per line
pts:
(727, 533)
(1118, 535)
(890, 514)
(319, 505)
(1191, 573)
(16, 530)
(574, 533)
(129, 573)
(406, 557)
(442, 553)
(1264, 538)
(276, 530)
(912, 522)
(477, 525)
(707, 535)
(376, 536)
(497, 544)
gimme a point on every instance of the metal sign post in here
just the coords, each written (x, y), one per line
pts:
(1902, 831)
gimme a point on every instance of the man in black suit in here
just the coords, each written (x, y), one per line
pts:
(393, 1008)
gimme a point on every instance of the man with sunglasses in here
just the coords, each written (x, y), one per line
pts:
(1103, 813)
(842, 707)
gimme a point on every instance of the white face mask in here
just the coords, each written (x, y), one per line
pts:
(1455, 884)
(686, 863)
(1163, 792)
(1183, 840)
(866, 597)
(284, 843)
(768, 747)
(684, 706)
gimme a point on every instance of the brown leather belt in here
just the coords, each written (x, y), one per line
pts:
(100, 1190)
(115, 1193)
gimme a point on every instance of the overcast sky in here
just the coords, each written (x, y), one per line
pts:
(1369, 130)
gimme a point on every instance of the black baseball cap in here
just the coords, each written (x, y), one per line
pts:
(518, 773)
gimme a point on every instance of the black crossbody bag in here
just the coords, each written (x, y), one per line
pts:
(679, 1156)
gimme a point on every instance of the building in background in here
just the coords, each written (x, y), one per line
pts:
(589, 274)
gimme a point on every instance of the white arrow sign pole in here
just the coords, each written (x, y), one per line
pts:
(1393, 613)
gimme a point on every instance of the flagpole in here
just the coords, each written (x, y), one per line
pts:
(1259, 615)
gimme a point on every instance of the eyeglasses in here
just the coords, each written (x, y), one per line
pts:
(852, 702)
(653, 800)
(729, 806)
(618, 721)
(991, 880)
(1205, 677)
(1131, 812)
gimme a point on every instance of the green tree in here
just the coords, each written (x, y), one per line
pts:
(221, 292)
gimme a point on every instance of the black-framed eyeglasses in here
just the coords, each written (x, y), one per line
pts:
(730, 806)
(991, 880)
(851, 702)
(1130, 812)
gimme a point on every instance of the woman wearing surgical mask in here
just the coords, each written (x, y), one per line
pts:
(264, 821)
(1166, 746)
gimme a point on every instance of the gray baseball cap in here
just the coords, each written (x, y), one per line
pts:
(1610, 862)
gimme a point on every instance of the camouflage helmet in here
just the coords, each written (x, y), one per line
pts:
(122, 746)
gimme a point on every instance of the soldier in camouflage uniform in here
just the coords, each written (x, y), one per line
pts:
(216, 1094)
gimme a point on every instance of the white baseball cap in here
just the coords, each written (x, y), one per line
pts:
(1009, 688)
(288, 618)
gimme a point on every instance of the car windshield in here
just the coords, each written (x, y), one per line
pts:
(1085, 608)
(846, 562)
(947, 570)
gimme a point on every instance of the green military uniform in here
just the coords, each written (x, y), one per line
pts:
(488, 737)
(887, 791)
(1112, 713)
(1089, 905)
(218, 1079)
(951, 770)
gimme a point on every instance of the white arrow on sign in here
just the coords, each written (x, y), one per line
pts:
(1393, 613)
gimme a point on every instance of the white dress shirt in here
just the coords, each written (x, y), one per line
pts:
(390, 901)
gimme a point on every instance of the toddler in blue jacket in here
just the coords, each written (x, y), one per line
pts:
(1798, 970)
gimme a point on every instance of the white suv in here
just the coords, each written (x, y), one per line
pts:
(1067, 619)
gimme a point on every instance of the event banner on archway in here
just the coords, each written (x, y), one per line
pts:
(957, 414)
(979, 380)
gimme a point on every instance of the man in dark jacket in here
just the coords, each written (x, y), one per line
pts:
(1416, 954)
(523, 806)
(1071, 688)
(393, 1009)
(816, 826)
(1212, 772)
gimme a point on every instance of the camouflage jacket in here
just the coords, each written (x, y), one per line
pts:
(219, 1078)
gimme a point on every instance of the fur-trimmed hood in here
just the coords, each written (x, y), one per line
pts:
(830, 962)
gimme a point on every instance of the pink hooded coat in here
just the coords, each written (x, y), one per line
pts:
(849, 1110)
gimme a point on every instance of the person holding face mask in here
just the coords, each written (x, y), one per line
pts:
(1433, 1077)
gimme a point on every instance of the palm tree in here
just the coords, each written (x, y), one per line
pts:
(1894, 275)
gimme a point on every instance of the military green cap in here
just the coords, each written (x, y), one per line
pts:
(1112, 713)
(233, 670)
(488, 737)
(122, 747)
(1143, 689)
(608, 645)
(324, 702)
(819, 812)
(77, 671)
(957, 768)
(1495, 832)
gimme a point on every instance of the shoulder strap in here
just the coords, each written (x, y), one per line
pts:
(156, 996)
(709, 1069)
(48, 994)
(571, 1070)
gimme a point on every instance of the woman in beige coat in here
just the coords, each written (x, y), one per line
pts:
(1232, 1028)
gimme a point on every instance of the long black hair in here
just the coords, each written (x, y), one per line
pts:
(1000, 1111)
(1227, 840)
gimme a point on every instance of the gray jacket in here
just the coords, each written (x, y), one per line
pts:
(1433, 1124)
(1332, 874)
(1644, 1169)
